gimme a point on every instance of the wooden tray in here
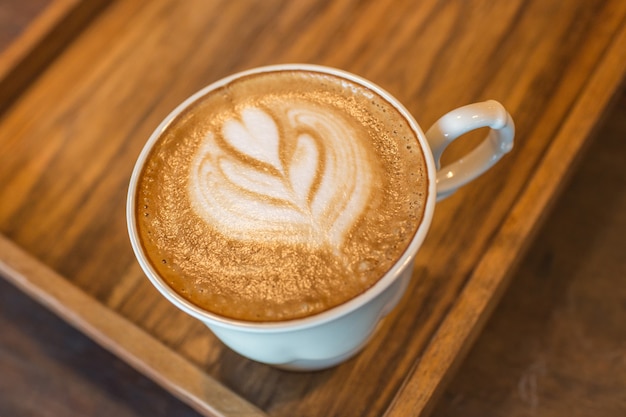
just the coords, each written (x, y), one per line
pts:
(68, 145)
(32, 34)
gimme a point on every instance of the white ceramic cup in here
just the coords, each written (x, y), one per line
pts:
(328, 338)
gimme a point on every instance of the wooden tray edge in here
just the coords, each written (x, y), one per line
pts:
(47, 35)
(120, 336)
(418, 394)
(462, 325)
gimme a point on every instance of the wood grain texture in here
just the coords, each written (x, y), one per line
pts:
(15, 18)
(120, 336)
(51, 369)
(68, 146)
(32, 34)
(556, 344)
(492, 273)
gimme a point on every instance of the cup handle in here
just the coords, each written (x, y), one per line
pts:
(498, 142)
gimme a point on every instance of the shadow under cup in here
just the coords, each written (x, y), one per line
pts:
(316, 341)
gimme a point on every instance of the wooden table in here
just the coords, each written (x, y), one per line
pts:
(68, 141)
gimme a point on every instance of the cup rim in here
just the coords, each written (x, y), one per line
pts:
(331, 314)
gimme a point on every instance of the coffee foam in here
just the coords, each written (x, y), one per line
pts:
(300, 177)
(280, 195)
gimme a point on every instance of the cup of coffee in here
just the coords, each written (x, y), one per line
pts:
(283, 206)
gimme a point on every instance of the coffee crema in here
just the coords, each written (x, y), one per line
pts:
(280, 195)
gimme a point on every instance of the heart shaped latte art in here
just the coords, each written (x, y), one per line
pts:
(303, 179)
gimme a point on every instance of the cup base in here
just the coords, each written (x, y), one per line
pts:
(311, 365)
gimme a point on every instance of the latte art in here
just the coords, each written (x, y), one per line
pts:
(280, 195)
(302, 179)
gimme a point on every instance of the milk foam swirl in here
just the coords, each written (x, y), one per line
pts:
(296, 177)
(280, 195)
